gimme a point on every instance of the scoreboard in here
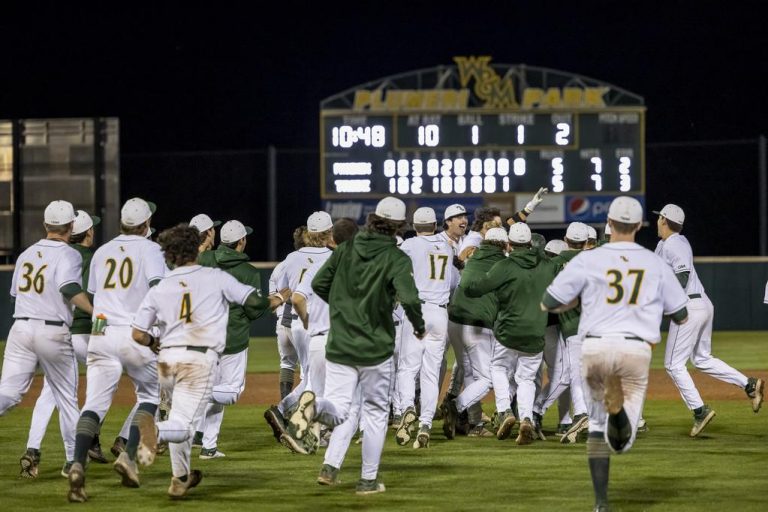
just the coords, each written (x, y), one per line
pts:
(484, 130)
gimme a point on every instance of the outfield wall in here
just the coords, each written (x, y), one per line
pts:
(736, 286)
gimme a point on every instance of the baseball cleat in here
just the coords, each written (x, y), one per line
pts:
(396, 420)
(118, 446)
(76, 479)
(580, 424)
(293, 444)
(365, 487)
(526, 433)
(701, 420)
(507, 420)
(276, 421)
(642, 426)
(404, 431)
(147, 440)
(128, 470)
(96, 455)
(197, 441)
(450, 419)
(178, 488)
(329, 475)
(213, 453)
(422, 440)
(755, 390)
(30, 463)
(301, 419)
(479, 430)
(614, 394)
(537, 419)
(562, 428)
(66, 468)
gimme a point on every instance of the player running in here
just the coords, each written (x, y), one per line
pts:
(694, 339)
(624, 291)
(435, 277)
(191, 307)
(46, 284)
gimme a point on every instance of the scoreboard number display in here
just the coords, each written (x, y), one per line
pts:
(485, 134)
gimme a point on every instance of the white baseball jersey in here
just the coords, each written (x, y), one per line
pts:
(677, 253)
(121, 271)
(451, 242)
(41, 271)
(317, 308)
(472, 239)
(274, 277)
(765, 298)
(624, 289)
(191, 307)
(298, 263)
(433, 270)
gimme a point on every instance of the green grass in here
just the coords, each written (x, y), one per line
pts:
(664, 471)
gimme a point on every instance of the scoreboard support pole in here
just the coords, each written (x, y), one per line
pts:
(763, 166)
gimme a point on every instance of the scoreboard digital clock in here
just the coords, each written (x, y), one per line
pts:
(518, 129)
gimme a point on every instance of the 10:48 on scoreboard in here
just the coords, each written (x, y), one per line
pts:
(519, 128)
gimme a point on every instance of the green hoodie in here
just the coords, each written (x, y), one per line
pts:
(518, 282)
(569, 320)
(361, 282)
(81, 321)
(480, 312)
(236, 264)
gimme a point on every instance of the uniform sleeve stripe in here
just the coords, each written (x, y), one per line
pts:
(678, 308)
(73, 281)
(302, 294)
(142, 329)
(556, 297)
(251, 289)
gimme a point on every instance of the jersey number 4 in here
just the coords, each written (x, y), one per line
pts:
(615, 281)
(36, 283)
(124, 274)
(186, 308)
(436, 260)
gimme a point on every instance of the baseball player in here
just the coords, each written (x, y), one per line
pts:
(474, 238)
(519, 328)
(81, 240)
(555, 247)
(297, 263)
(566, 374)
(360, 282)
(592, 238)
(475, 318)
(624, 290)
(191, 306)
(207, 229)
(46, 284)
(435, 277)
(122, 272)
(230, 371)
(694, 339)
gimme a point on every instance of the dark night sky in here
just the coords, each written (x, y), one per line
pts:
(216, 77)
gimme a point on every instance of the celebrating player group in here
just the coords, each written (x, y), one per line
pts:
(368, 318)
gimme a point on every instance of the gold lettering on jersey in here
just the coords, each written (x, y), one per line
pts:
(491, 89)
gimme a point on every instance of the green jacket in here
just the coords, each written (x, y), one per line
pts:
(361, 282)
(518, 282)
(236, 264)
(569, 320)
(81, 321)
(480, 311)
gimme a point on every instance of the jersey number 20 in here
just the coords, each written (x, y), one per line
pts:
(616, 278)
(124, 275)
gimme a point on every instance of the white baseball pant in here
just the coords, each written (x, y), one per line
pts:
(462, 367)
(615, 355)
(341, 437)
(288, 357)
(188, 377)
(108, 356)
(229, 384)
(423, 358)
(566, 376)
(300, 341)
(394, 392)
(340, 392)
(478, 345)
(554, 350)
(693, 340)
(32, 342)
(46, 403)
(317, 363)
(525, 366)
